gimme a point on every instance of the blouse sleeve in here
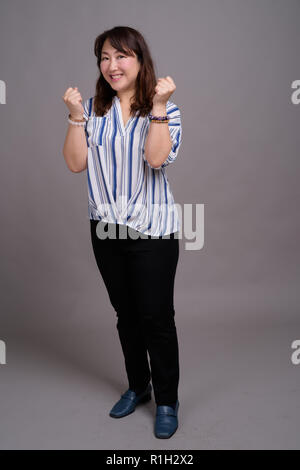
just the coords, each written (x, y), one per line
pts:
(175, 128)
(87, 108)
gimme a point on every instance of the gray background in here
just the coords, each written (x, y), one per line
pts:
(236, 300)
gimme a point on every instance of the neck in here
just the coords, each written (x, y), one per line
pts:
(125, 97)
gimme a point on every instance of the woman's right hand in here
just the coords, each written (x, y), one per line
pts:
(73, 101)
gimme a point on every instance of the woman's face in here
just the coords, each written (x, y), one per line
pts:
(114, 62)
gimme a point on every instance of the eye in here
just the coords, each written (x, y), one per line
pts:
(118, 57)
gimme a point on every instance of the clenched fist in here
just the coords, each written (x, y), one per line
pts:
(163, 90)
(73, 101)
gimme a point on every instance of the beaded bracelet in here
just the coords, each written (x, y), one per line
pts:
(161, 119)
(76, 122)
(159, 122)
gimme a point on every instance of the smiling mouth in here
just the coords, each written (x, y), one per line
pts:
(116, 77)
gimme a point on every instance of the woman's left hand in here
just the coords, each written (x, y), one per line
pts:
(164, 89)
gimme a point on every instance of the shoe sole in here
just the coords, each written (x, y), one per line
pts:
(142, 400)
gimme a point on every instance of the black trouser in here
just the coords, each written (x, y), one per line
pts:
(139, 276)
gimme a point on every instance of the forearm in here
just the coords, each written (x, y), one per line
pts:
(75, 148)
(158, 143)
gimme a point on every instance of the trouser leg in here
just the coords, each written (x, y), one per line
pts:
(161, 339)
(112, 264)
(134, 351)
(152, 268)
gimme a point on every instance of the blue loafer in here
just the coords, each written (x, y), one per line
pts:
(128, 402)
(166, 421)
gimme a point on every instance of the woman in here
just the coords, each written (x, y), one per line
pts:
(125, 136)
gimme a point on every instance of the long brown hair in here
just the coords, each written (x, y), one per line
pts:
(126, 40)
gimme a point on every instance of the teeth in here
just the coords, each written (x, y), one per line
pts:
(116, 76)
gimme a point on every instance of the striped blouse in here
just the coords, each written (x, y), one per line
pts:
(123, 188)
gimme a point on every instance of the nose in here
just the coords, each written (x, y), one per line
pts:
(112, 67)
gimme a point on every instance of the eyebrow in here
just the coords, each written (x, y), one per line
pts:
(117, 52)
